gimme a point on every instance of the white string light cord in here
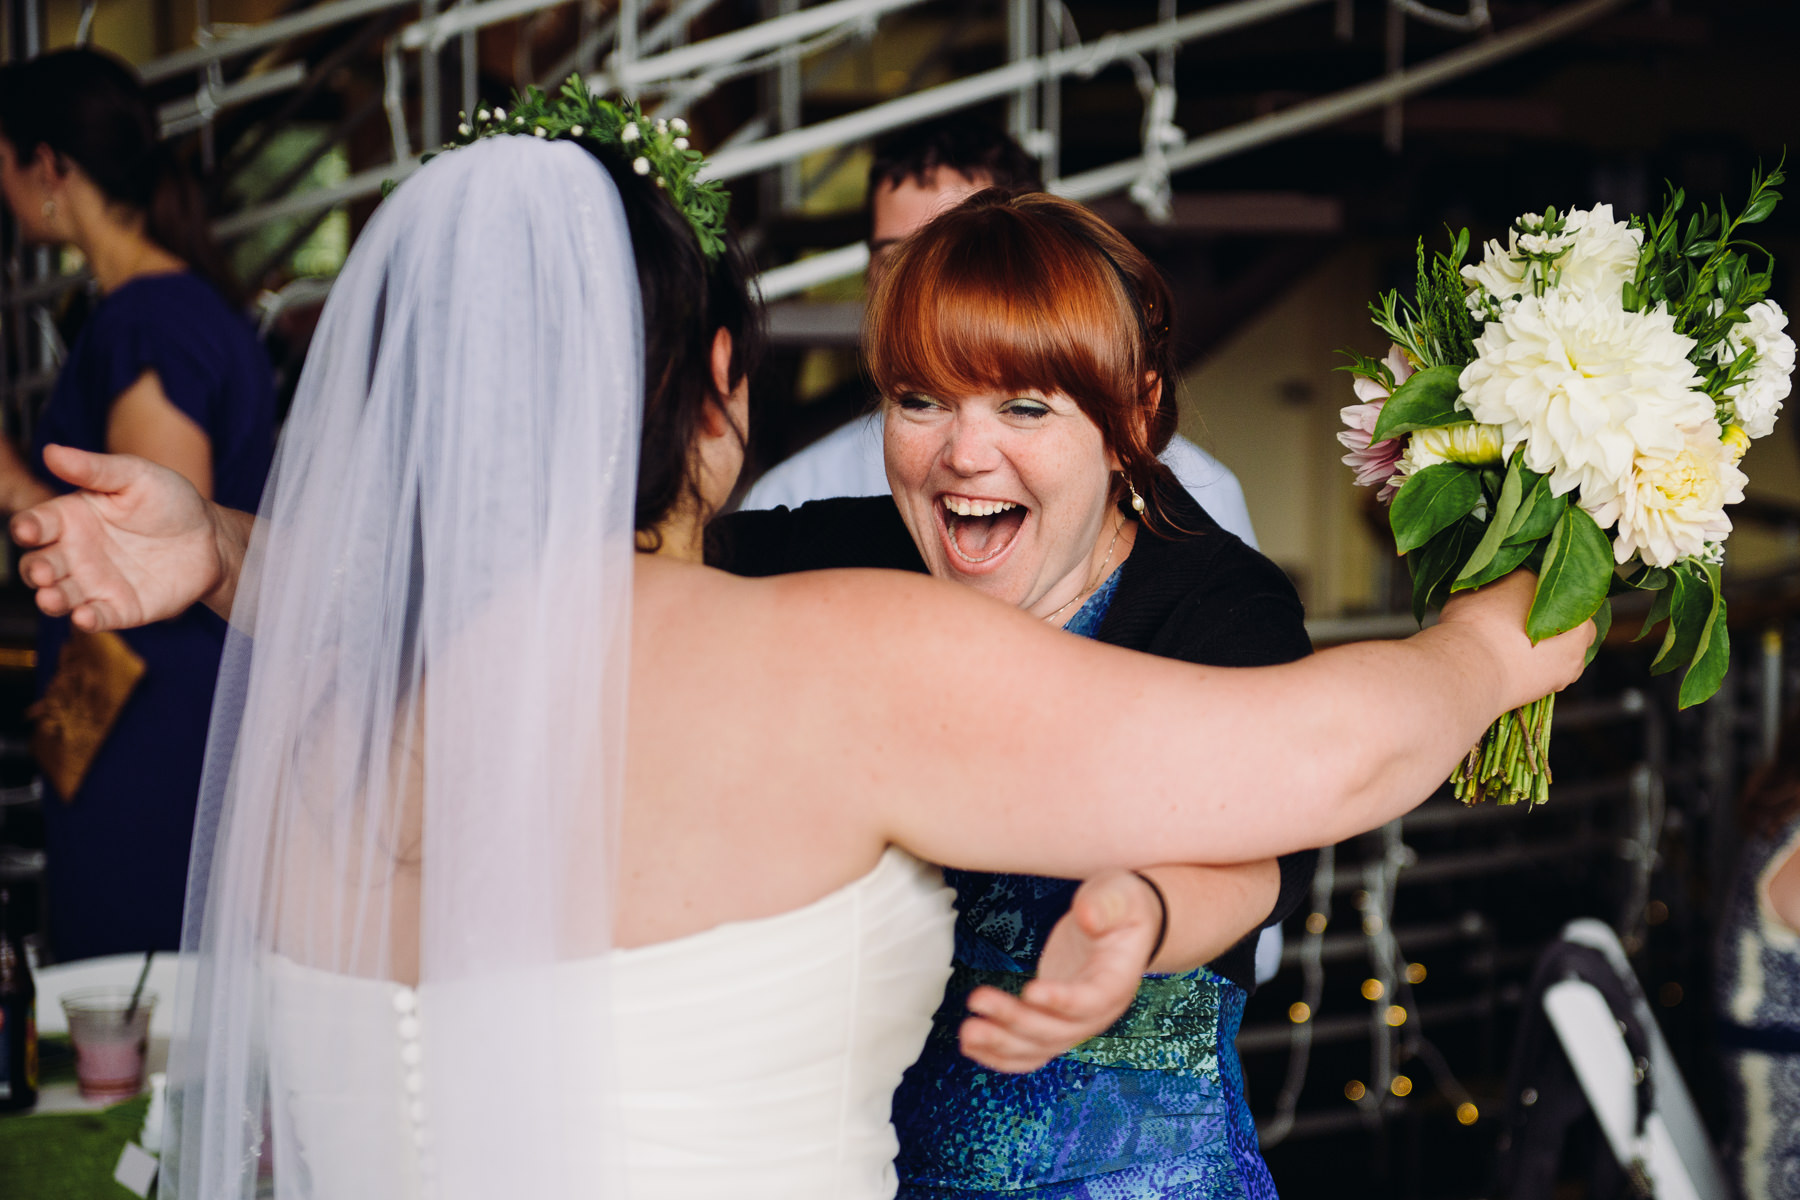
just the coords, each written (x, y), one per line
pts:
(1151, 190)
(1394, 1010)
(1474, 21)
(1312, 991)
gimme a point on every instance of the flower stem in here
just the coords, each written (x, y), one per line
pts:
(1511, 762)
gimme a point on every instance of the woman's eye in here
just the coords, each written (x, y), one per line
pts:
(1028, 408)
(916, 403)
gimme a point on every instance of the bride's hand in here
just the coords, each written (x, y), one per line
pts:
(1092, 964)
(136, 544)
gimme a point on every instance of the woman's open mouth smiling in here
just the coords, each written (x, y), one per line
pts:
(977, 531)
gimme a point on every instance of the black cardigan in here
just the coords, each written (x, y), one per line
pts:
(1201, 597)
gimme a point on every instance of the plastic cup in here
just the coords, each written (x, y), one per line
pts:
(109, 1049)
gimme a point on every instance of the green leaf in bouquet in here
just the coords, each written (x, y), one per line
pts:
(1650, 579)
(1602, 626)
(1538, 515)
(1760, 208)
(1426, 400)
(1430, 501)
(1433, 564)
(1712, 656)
(1507, 559)
(1577, 569)
(1690, 611)
(1659, 610)
(1506, 506)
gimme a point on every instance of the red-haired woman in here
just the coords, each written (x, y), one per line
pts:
(1022, 350)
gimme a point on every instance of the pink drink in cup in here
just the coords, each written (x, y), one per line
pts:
(109, 1049)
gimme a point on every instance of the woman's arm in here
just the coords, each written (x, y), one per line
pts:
(1100, 950)
(137, 544)
(144, 422)
(19, 488)
(1784, 892)
(988, 742)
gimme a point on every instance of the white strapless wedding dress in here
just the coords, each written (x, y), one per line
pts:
(756, 1059)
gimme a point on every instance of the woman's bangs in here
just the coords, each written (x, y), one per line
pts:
(956, 326)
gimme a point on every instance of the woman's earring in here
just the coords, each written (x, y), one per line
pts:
(1137, 501)
(49, 210)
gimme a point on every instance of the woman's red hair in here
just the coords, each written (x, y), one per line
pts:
(1031, 291)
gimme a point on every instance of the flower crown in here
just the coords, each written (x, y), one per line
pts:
(658, 148)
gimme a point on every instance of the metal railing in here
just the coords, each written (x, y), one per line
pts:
(1042, 57)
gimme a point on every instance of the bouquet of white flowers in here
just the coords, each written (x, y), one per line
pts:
(1577, 403)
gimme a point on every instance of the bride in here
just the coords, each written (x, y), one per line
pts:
(532, 865)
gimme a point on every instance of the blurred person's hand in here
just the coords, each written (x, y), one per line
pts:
(1092, 964)
(136, 544)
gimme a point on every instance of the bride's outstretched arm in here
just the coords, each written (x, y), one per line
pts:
(1004, 748)
(136, 544)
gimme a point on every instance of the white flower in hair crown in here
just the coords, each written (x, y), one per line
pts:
(657, 148)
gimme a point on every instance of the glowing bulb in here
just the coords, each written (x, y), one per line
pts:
(1372, 989)
(1354, 1090)
(1396, 1015)
(1401, 1086)
(1415, 972)
(1299, 1012)
(1315, 923)
(1467, 1114)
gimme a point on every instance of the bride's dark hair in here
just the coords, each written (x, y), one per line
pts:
(687, 298)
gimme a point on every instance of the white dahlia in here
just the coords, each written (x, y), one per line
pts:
(1594, 253)
(1674, 505)
(1757, 395)
(1586, 387)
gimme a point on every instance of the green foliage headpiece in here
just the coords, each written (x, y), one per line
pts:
(657, 148)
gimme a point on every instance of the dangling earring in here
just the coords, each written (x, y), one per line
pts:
(49, 210)
(1137, 501)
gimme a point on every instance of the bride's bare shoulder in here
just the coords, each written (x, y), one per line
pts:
(819, 601)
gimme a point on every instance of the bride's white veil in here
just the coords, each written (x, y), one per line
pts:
(417, 746)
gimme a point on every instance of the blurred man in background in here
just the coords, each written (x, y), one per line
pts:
(916, 174)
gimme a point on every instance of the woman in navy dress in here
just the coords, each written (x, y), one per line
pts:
(165, 367)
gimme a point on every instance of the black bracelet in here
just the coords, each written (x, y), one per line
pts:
(1162, 925)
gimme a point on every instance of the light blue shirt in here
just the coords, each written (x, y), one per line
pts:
(848, 462)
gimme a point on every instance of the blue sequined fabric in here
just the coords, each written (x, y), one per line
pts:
(1152, 1109)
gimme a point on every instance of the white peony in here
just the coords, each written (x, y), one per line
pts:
(1756, 397)
(1674, 506)
(1596, 253)
(1587, 387)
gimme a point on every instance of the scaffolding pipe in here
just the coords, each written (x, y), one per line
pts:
(964, 93)
(751, 40)
(795, 277)
(1329, 110)
(270, 33)
(363, 183)
(431, 96)
(179, 116)
(1090, 185)
(434, 31)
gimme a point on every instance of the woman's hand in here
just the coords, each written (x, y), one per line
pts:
(1495, 616)
(136, 544)
(1092, 964)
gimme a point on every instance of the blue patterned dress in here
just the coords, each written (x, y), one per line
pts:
(1758, 960)
(1152, 1109)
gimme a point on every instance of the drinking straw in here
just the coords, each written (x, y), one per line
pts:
(137, 993)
